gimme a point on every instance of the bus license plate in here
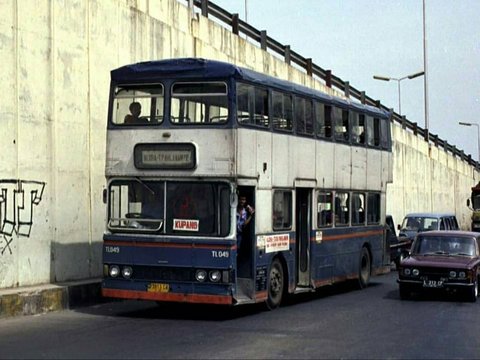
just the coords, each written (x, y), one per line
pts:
(158, 288)
(433, 283)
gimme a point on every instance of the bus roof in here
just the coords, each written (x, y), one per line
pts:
(193, 68)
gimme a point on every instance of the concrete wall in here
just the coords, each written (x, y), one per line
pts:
(56, 58)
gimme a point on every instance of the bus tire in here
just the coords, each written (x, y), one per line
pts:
(364, 268)
(275, 284)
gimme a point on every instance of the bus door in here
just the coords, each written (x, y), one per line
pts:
(303, 226)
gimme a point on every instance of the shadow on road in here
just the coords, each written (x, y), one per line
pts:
(183, 311)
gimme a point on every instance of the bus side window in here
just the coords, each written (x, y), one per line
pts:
(328, 121)
(376, 132)
(338, 123)
(252, 105)
(325, 209)
(358, 205)
(282, 111)
(319, 119)
(342, 205)
(384, 141)
(358, 127)
(370, 131)
(303, 116)
(282, 210)
(373, 208)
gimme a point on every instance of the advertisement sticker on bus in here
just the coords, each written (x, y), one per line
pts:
(278, 242)
(185, 225)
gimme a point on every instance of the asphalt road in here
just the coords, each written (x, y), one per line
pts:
(336, 322)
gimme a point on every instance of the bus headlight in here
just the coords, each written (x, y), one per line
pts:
(415, 272)
(407, 271)
(453, 274)
(201, 275)
(462, 275)
(214, 276)
(127, 272)
(114, 271)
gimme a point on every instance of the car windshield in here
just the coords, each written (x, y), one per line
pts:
(444, 245)
(419, 223)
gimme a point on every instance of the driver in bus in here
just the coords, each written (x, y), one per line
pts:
(134, 118)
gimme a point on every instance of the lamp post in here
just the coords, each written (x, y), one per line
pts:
(398, 80)
(478, 134)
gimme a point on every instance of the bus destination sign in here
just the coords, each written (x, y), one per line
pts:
(164, 156)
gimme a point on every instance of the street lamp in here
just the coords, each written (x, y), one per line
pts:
(478, 134)
(398, 80)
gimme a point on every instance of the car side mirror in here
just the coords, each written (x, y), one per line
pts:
(398, 227)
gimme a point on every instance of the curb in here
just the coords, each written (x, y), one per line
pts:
(40, 299)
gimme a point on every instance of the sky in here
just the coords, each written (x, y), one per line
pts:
(358, 39)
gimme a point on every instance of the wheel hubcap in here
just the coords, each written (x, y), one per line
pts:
(275, 281)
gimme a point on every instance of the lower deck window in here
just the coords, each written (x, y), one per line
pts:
(282, 210)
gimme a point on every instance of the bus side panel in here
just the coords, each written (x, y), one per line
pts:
(336, 253)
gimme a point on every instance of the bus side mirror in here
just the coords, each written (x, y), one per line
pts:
(104, 195)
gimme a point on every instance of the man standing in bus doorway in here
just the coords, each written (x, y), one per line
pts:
(244, 216)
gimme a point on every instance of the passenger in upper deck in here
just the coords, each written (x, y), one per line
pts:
(134, 117)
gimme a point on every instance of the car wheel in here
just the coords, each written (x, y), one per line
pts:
(473, 292)
(275, 284)
(364, 268)
(404, 291)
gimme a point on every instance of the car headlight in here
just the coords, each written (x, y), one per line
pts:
(127, 272)
(201, 275)
(452, 274)
(415, 272)
(114, 271)
(462, 275)
(407, 272)
(214, 276)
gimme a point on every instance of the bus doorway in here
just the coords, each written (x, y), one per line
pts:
(303, 226)
(246, 231)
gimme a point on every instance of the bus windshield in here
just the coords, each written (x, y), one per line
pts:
(138, 105)
(173, 208)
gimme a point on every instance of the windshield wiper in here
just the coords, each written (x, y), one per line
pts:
(461, 254)
(145, 185)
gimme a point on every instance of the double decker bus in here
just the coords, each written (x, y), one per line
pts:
(187, 137)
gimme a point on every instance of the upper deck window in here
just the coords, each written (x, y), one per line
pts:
(282, 111)
(199, 103)
(252, 105)
(138, 105)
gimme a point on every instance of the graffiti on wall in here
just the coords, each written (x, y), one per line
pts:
(18, 199)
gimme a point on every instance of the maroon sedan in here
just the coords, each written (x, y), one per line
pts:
(442, 260)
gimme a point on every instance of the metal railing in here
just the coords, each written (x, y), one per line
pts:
(238, 26)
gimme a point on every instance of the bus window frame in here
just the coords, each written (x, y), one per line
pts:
(172, 96)
(139, 87)
(290, 205)
(284, 95)
(251, 115)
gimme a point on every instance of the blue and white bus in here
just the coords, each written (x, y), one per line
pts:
(186, 137)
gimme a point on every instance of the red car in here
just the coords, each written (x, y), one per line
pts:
(442, 260)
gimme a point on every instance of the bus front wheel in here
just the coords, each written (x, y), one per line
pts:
(275, 284)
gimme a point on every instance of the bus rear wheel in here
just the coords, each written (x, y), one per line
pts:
(275, 285)
(364, 268)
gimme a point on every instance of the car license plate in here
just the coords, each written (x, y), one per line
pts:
(432, 283)
(158, 288)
